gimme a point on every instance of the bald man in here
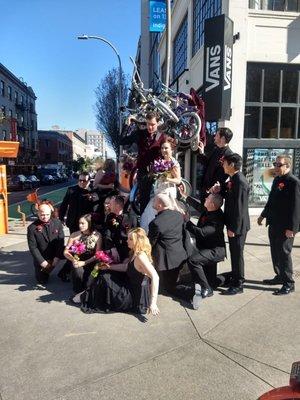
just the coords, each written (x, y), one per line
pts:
(45, 238)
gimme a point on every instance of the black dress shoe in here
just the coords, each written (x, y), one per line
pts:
(207, 292)
(275, 281)
(196, 300)
(284, 290)
(233, 290)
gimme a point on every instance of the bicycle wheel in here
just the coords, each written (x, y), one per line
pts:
(188, 127)
(187, 187)
(165, 109)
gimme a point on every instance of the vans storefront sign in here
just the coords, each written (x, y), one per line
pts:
(157, 15)
(218, 67)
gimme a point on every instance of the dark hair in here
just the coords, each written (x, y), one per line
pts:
(234, 159)
(153, 114)
(170, 140)
(226, 133)
(109, 165)
(89, 220)
(119, 200)
(84, 173)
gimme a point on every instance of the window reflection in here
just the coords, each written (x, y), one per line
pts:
(272, 84)
(270, 123)
(289, 86)
(251, 122)
(288, 123)
(253, 82)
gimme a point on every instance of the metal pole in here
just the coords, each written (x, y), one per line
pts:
(84, 37)
(168, 43)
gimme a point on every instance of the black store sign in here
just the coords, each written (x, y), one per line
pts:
(218, 44)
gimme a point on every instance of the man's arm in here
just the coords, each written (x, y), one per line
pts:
(153, 233)
(64, 206)
(201, 232)
(61, 241)
(238, 211)
(127, 140)
(293, 222)
(33, 247)
(195, 203)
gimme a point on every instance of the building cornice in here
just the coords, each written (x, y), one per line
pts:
(273, 14)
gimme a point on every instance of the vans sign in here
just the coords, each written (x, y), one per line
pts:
(218, 67)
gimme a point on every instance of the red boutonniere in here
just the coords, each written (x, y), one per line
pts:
(39, 228)
(55, 231)
(221, 160)
(203, 219)
(281, 185)
(229, 185)
(115, 223)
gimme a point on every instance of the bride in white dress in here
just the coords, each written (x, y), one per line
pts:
(164, 184)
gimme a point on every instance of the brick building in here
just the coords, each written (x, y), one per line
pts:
(55, 147)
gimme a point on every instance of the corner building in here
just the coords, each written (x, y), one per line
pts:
(265, 97)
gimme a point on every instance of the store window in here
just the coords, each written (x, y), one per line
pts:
(9, 92)
(275, 5)
(202, 10)
(2, 90)
(272, 101)
(180, 49)
(259, 171)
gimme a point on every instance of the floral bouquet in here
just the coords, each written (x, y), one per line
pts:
(77, 249)
(104, 258)
(161, 168)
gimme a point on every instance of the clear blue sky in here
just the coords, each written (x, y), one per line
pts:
(38, 43)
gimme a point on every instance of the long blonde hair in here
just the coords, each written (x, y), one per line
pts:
(140, 242)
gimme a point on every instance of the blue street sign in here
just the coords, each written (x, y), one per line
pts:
(157, 15)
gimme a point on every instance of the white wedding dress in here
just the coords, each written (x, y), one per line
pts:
(160, 186)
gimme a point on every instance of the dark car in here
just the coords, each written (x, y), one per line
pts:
(47, 180)
(34, 180)
(19, 182)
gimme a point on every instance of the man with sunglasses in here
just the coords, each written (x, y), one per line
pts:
(79, 200)
(282, 213)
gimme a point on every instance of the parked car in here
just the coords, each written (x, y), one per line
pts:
(18, 182)
(47, 180)
(34, 180)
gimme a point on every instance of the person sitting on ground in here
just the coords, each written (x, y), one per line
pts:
(166, 238)
(45, 238)
(131, 286)
(80, 251)
(209, 249)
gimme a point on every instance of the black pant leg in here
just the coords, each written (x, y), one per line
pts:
(145, 187)
(285, 260)
(197, 261)
(169, 278)
(275, 241)
(236, 247)
(210, 271)
(41, 276)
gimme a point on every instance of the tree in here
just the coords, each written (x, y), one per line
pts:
(108, 108)
(82, 164)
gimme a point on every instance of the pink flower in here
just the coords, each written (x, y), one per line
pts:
(77, 248)
(281, 185)
(102, 256)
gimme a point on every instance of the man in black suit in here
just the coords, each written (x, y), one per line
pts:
(213, 163)
(282, 213)
(45, 238)
(79, 200)
(166, 237)
(237, 219)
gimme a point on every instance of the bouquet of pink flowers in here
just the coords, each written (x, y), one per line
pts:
(77, 248)
(104, 258)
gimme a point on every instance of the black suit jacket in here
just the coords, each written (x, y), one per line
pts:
(46, 242)
(214, 171)
(75, 203)
(166, 237)
(209, 232)
(236, 204)
(283, 206)
(115, 234)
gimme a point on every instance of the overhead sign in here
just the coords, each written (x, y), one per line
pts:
(218, 42)
(157, 15)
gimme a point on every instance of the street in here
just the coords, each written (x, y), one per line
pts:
(18, 196)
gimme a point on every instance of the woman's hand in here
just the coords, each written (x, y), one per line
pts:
(153, 309)
(102, 266)
(78, 264)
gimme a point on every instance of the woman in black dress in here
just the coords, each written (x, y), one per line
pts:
(131, 286)
(83, 264)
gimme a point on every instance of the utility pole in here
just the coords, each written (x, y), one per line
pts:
(168, 44)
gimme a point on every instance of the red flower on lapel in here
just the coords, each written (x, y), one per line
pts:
(221, 160)
(203, 219)
(39, 228)
(281, 185)
(229, 185)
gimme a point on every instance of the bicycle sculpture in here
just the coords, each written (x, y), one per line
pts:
(179, 112)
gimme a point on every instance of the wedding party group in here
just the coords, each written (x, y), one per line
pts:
(119, 262)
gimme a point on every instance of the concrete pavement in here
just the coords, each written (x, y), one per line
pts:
(231, 348)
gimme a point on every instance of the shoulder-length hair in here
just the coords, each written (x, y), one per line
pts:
(140, 242)
(89, 220)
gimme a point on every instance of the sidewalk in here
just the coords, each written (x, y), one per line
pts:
(232, 348)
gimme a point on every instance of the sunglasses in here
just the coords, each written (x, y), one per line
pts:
(278, 164)
(83, 180)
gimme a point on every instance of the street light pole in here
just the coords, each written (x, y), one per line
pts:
(168, 44)
(86, 37)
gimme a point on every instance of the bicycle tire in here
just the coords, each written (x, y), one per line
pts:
(166, 110)
(184, 131)
(187, 186)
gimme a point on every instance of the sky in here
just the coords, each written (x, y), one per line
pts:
(39, 43)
